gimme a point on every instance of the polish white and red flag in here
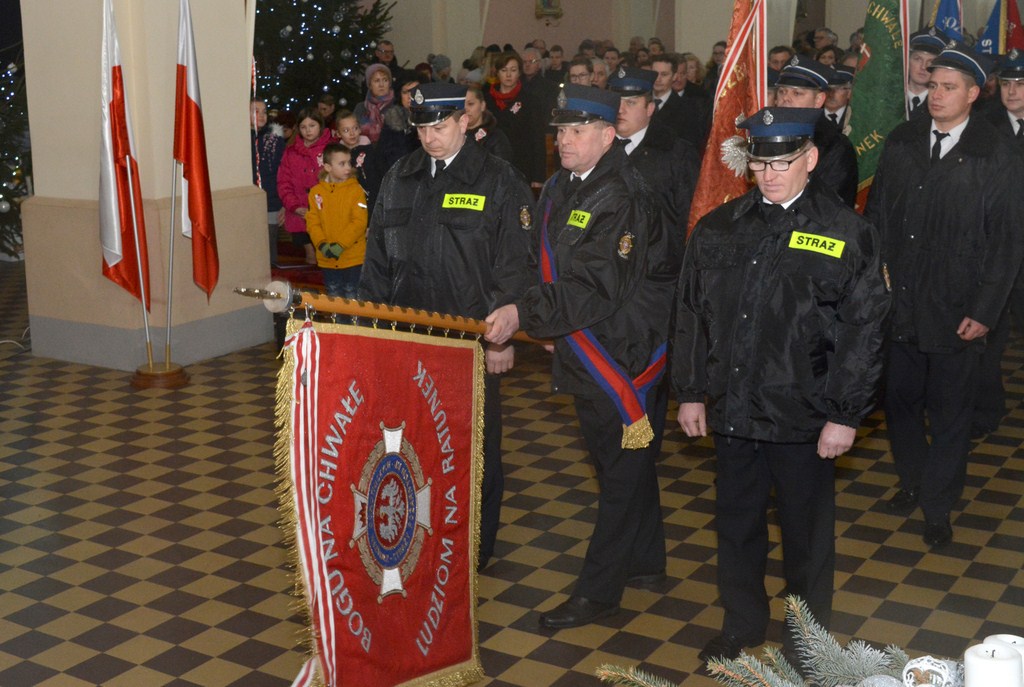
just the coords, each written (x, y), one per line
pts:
(190, 151)
(122, 224)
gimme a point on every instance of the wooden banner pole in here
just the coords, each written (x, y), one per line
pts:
(279, 296)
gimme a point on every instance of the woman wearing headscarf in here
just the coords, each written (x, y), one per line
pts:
(379, 97)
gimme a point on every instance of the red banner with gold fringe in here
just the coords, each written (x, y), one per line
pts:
(380, 454)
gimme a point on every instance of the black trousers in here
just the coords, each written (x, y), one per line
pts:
(493, 487)
(804, 486)
(629, 536)
(941, 386)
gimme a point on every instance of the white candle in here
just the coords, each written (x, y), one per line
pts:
(1014, 641)
(992, 665)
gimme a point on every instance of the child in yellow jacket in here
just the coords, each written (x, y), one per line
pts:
(336, 223)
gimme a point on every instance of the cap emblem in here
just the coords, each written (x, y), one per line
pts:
(562, 100)
(418, 97)
(1014, 54)
(931, 31)
(951, 44)
(622, 73)
(768, 118)
(795, 61)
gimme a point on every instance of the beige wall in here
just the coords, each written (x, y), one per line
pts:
(77, 314)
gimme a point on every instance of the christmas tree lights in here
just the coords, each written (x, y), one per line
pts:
(15, 157)
(305, 48)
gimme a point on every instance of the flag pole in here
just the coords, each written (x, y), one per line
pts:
(171, 375)
(170, 260)
(138, 263)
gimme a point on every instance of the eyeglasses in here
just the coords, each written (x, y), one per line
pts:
(575, 78)
(776, 165)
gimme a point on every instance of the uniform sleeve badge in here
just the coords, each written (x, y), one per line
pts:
(525, 218)
(625, 245)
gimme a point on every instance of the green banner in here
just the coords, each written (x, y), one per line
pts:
(878, 104)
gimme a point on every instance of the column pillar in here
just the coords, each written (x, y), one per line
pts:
(75, 313)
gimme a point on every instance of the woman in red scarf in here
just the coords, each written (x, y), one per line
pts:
(379, 97)
(519, 112)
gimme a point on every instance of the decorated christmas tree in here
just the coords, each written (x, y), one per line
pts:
(305, 48)
(15, 160)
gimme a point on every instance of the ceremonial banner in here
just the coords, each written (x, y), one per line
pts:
(948, 16)
(878, 105)
(1003, 31)
(741, 92)
(380, 454)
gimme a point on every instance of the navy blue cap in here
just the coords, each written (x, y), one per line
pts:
(778, 131)
(931, 40)
(1011, 66)
(958, 56)
(841, 76)
(805, 73)
(583, 104)
(773, 77)
(432, 103)
(631, 81)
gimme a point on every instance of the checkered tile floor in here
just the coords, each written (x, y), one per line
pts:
(139, 541)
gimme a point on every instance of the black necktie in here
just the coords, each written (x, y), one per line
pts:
(937, 146)
(1020, 128)
(914, 102)
(439, 166)
(574, 185)
(772, 212)
(834, 117)
(657, 106)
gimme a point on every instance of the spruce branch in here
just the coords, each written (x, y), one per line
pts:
(630, 677)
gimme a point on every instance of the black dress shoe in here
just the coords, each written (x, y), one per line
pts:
(938, 532)
(726, 646)
(648, 581)
(904, 502)
(577, 611)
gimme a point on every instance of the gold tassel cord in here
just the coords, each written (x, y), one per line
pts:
(637, 435)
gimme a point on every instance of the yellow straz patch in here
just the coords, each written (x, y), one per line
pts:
(580, 219)
(817, 243)
(464, 201)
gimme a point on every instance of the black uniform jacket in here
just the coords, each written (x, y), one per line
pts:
(614, 273)
(1000, 119)
(670, 166)
(837, 161)
(458, 243)
(779, 327)
(950, 231)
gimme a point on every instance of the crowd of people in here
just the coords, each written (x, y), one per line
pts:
(779, 325)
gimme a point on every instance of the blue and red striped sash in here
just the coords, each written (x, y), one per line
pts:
(628, 395)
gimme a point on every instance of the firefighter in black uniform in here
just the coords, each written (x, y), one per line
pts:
(946, 199)
(804, 83)
(778, 351)
(669, 164)
(451, 232)
(605, 294)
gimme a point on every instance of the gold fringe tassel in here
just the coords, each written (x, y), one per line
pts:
(637, 435)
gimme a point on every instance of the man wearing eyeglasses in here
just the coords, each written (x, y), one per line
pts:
(778, 338)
